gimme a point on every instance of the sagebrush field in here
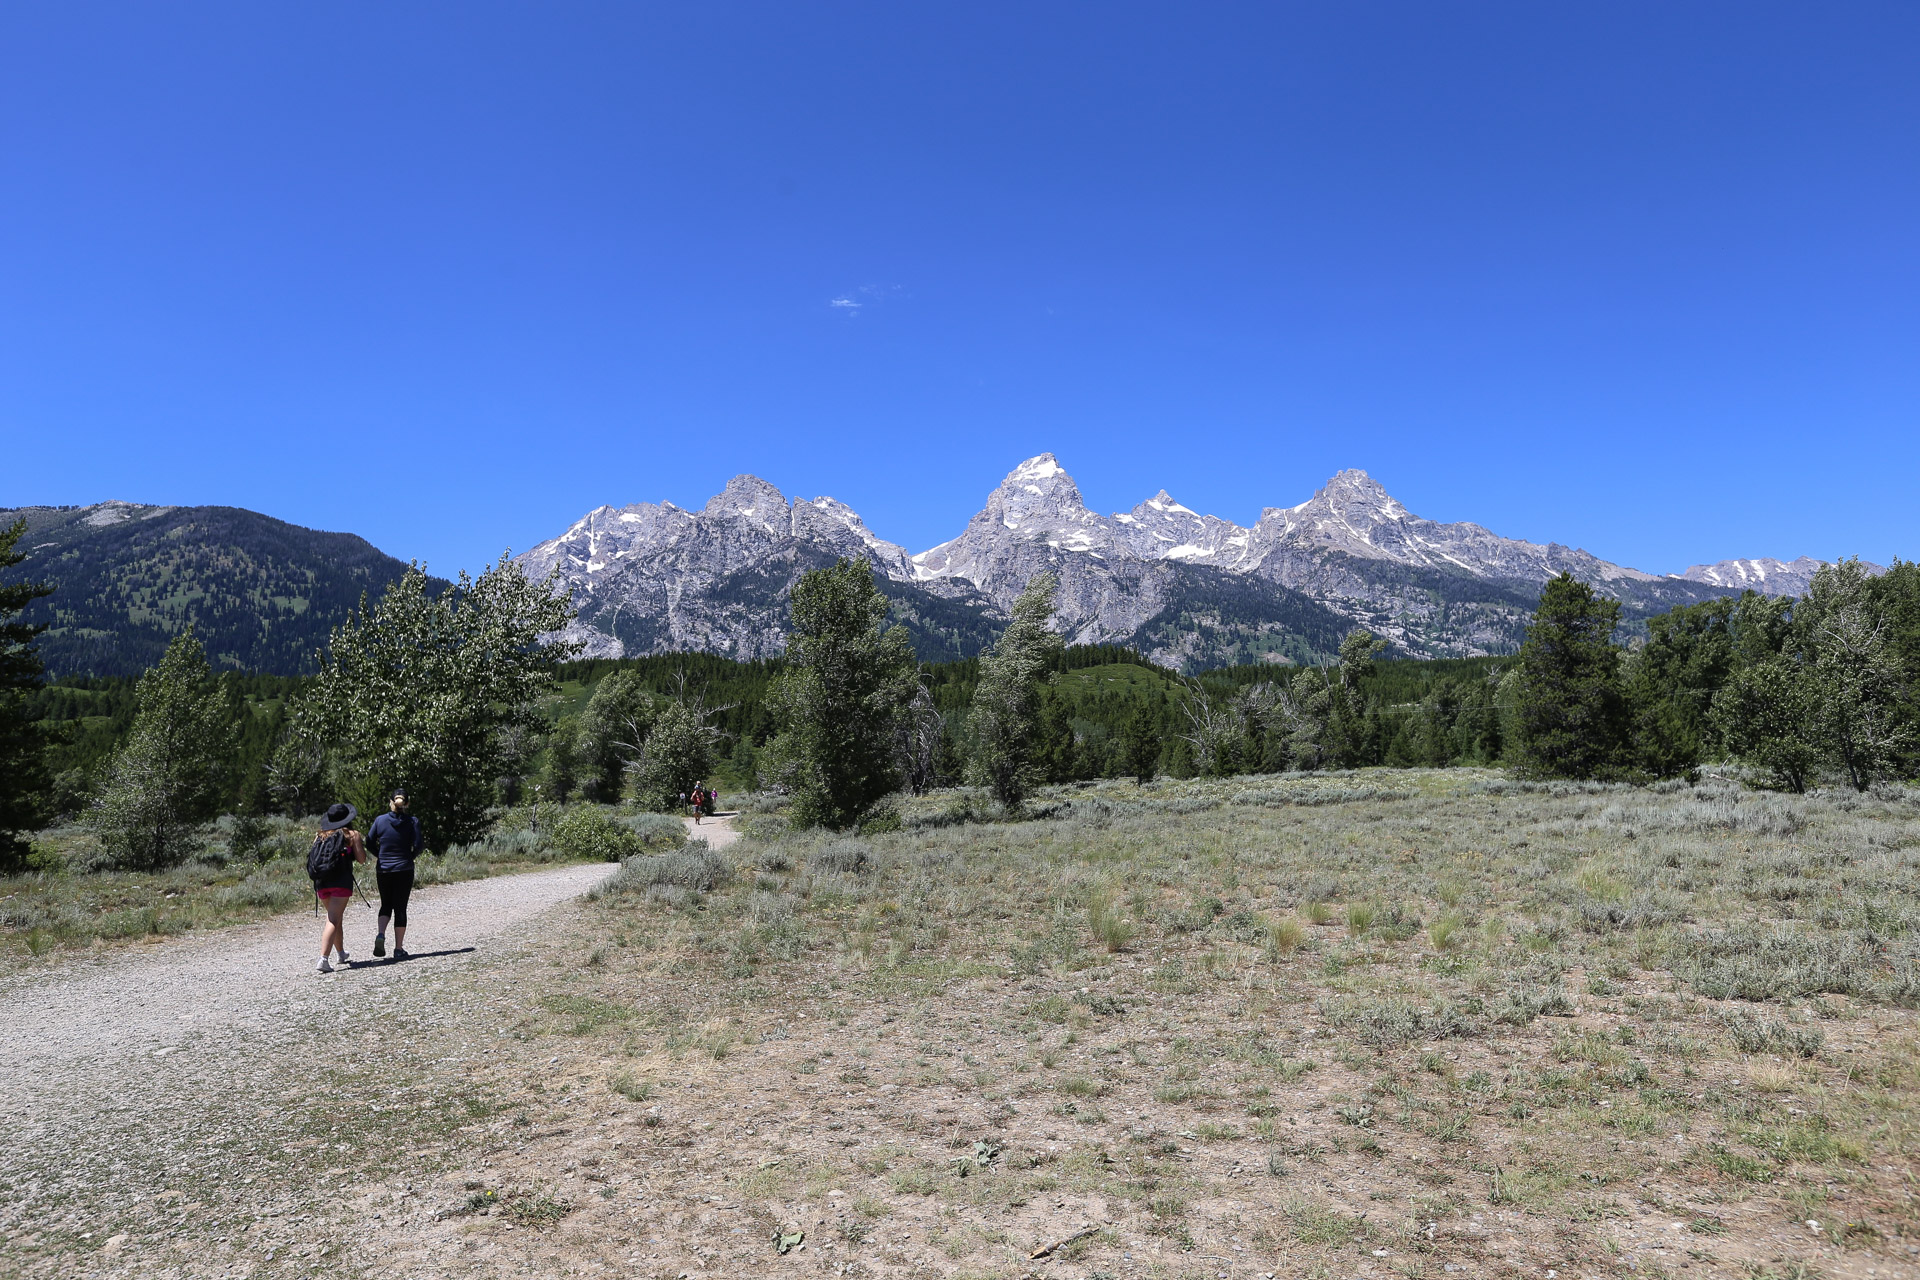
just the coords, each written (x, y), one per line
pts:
(1300, 1025)
(1412, 1023)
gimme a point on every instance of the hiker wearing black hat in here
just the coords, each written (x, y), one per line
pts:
(397, 840)
(336, 847)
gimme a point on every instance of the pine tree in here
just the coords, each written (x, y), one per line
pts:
(850, 680)
(1571, 717)
(1006, 702)
(1328, 723)
(1671, 679)
(919, 735)
(23, 774)
(1054, 750)
(563, 764)
(1140, 746)
(165, 782)
(1895, 595)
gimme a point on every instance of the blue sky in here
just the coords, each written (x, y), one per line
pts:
(1643, 278)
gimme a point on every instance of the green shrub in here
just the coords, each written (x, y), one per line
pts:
(693, 869)
(588, 834)
(766, 826)
(1520, 1005)
(657, 832)
(247, 838)
(265, 889)
(839, 857)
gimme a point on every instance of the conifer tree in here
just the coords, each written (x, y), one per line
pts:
(1322, 709)
(563, 764)
(164, 783)
(1140, 745)
(1570, 719)
(23, 775)
(850, 680)
(1055, 752)
(919, 736)
(1006, 702)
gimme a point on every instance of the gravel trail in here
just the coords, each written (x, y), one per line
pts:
(158, 999)
(194, 1060)
(717, 831)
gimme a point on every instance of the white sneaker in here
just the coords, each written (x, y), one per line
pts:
(343, 960)
(324, 966)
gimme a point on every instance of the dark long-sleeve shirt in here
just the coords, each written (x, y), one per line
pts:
(396, 840)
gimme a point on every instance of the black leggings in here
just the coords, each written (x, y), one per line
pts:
(395, 888)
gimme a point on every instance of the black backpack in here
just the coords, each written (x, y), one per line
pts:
(330, 850)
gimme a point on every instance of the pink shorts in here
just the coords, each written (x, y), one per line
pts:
(335, 893)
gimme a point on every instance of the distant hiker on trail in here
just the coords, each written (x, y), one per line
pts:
(336, 847)
(397, 840)
(709, 801)
(693, 803)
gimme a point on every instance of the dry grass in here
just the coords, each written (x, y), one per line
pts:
(1310, 1026)
(1569, 1010)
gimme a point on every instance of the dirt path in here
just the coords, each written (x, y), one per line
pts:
(161, 1082)
(717, 831)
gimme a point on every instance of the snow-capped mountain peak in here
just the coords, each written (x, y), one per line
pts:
(1162, 528)
(1181, 584)
(1163, 501)
(1040, 467)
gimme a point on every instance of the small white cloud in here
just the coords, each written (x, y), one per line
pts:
(847, 303)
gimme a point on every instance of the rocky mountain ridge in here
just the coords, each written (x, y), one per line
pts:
(1188, 589)
(1766, 575)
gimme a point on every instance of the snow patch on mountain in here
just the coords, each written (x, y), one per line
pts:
(1764, 574)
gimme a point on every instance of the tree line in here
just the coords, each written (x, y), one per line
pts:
(453, 694)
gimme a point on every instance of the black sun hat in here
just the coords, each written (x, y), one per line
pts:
(338, 816)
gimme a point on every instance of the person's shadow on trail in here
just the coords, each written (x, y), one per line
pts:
(381, 963)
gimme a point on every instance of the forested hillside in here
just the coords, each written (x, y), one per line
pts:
(261, 593)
